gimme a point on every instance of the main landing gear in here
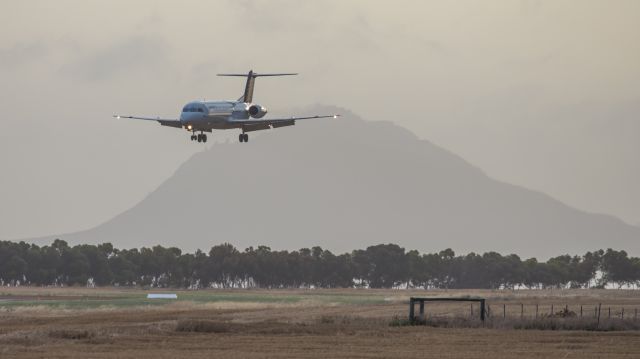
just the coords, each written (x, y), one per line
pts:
(244, 137)
(201, 137)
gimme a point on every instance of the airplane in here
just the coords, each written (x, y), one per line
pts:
(244, 114)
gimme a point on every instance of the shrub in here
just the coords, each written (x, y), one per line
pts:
(71, 334)
(203, 326)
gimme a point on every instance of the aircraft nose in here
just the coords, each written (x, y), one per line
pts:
(185, 117)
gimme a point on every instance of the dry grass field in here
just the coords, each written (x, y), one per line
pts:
(98, 323)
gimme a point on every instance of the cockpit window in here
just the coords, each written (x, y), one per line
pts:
(192, 108)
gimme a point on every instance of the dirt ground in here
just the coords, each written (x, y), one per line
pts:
(304, 324)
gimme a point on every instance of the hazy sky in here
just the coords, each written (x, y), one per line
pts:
(544, 94)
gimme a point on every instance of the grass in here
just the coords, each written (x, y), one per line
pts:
(116, 322)
(85, 299)
(571, 324)
(606, 325)
(562, 320)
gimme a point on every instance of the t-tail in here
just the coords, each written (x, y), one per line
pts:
(251, 79)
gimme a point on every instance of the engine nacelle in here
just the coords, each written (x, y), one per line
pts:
(257, 111)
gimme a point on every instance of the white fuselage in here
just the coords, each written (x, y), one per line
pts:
(243, 113)
(210, 115)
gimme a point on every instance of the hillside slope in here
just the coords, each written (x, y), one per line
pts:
(349, 183)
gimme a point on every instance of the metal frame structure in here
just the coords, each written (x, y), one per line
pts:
(413, 300)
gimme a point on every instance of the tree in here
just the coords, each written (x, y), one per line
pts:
(75, 267)
(388, 266)
(223, 264)
(13, 269)
(379, 266)
(618, 268)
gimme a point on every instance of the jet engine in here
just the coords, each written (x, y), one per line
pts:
(257, 111)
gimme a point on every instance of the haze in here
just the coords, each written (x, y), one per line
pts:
(543, 94)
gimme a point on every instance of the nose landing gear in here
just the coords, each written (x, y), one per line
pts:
(244, 137)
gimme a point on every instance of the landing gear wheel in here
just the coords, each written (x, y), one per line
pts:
(204, 138)
(246, 137)
(241, 137)
(199, 138)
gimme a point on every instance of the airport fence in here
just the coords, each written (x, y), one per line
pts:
(549, 316)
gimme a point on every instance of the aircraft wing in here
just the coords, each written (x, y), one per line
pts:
(278, 121)
(162, 121)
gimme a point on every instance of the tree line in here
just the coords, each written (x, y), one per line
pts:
(379, 266)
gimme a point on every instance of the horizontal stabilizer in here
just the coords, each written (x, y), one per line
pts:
(254, 74)
(251, 79)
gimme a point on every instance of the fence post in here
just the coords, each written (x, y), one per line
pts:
(536, 310)
(599, 312)
(521, 310)
(482, 313)
(411, 309)
(471, 310)
(609, 312)
(580, 311)
(622, 313)
(551, 309)
(504, 311)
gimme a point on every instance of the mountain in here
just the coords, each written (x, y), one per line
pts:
(348, 183)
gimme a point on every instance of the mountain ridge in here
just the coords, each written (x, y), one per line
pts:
(349, 183)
